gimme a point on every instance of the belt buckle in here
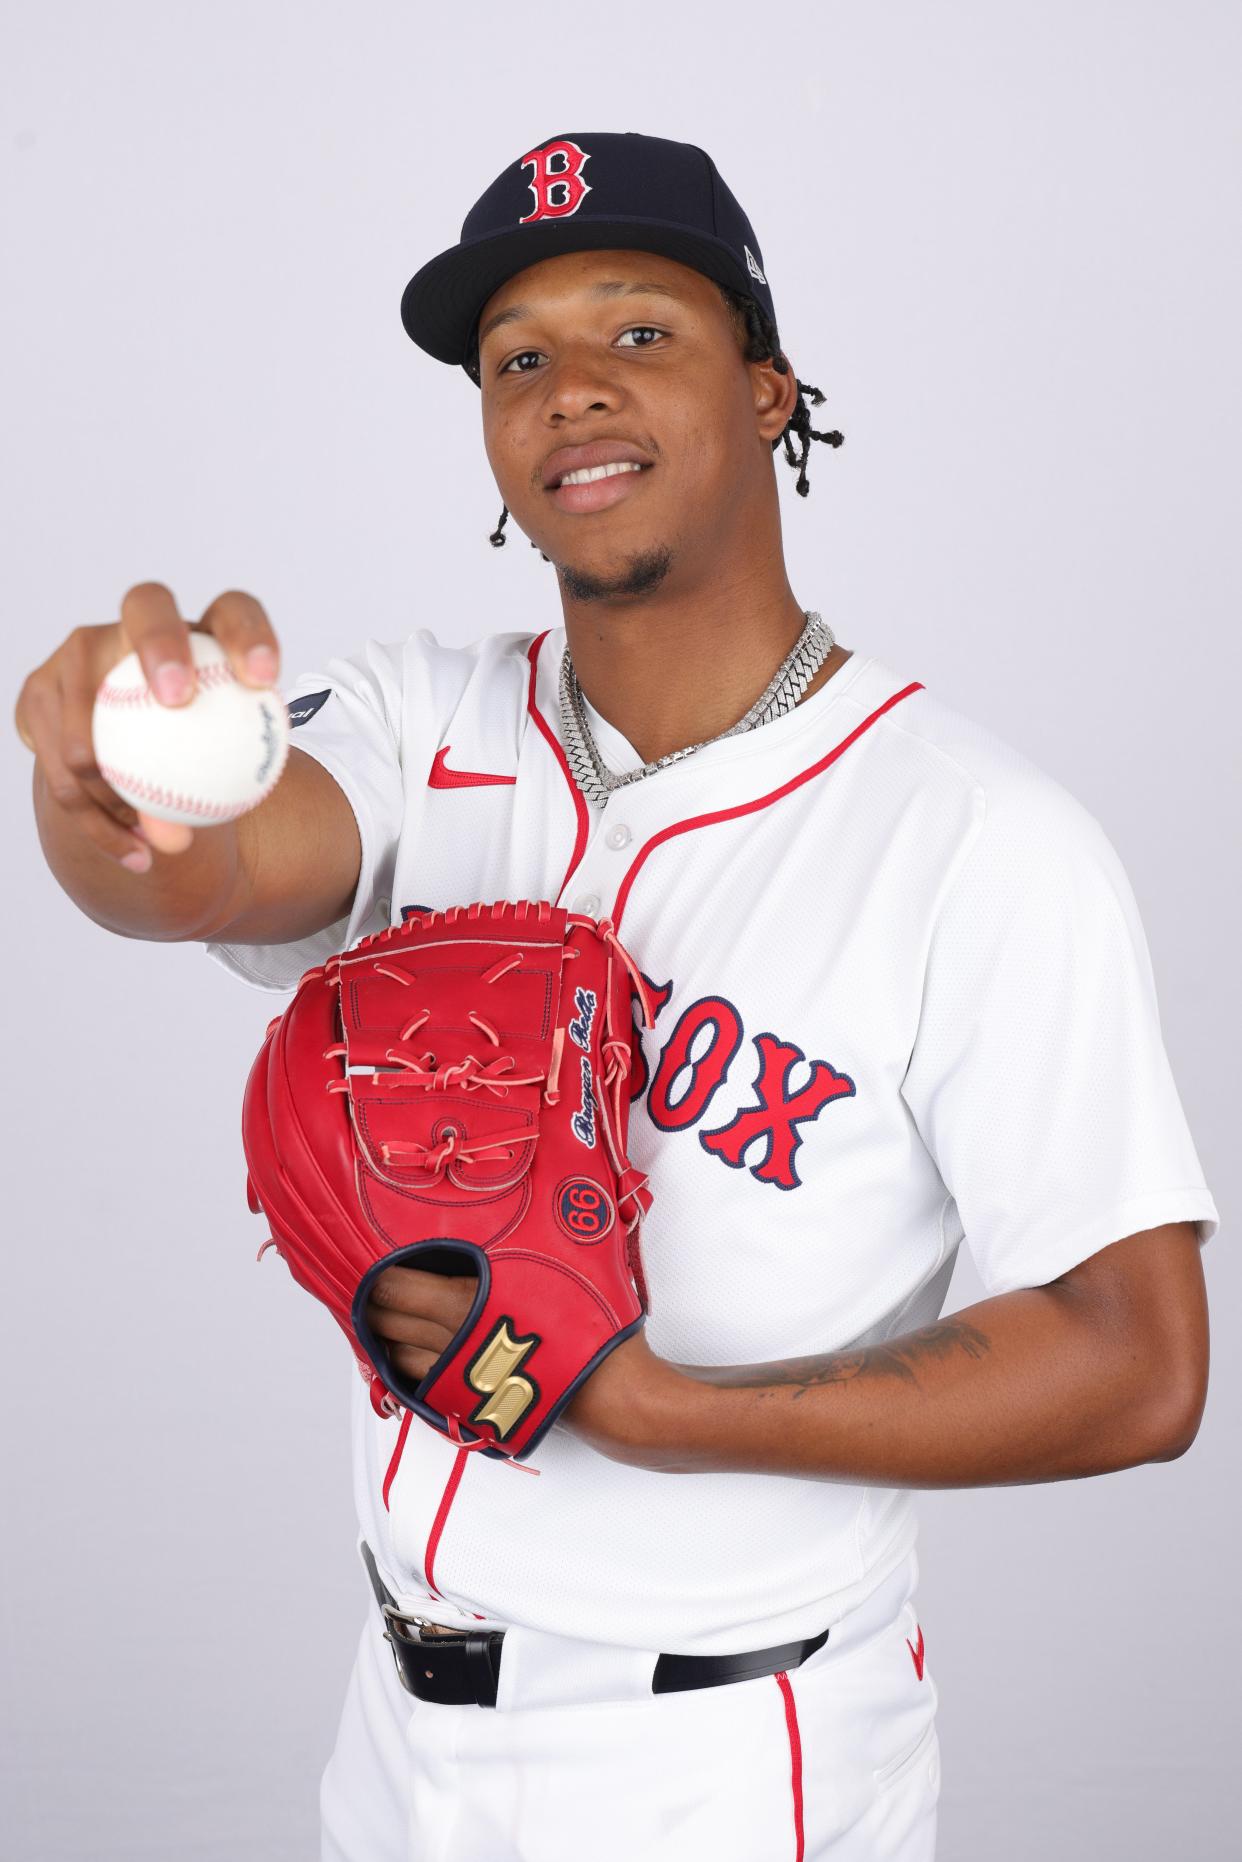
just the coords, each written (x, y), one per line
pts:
(393, 1617)
(397, 1624)
(420, 1648)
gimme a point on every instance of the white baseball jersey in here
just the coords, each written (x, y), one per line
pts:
(904, 998)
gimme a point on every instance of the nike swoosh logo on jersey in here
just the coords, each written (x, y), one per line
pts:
(442, 777)
(917, 1654)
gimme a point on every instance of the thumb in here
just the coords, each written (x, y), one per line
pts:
(164, 836)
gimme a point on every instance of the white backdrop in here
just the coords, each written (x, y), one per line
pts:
(1004, 239)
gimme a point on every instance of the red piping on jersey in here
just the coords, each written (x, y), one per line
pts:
(763, 801)
(442, 1513)
(395, 1463)
(795, 1761)
(580, 807)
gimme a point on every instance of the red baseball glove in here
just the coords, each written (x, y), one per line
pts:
(453, 1094)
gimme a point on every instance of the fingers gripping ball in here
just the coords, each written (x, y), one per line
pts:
(200, 763)
(453, 1095)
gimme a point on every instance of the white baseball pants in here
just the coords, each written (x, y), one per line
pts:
(836, 1762)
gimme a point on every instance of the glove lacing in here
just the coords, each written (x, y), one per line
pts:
(469, 1074)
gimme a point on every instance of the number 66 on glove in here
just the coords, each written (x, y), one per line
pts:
(453, 1094)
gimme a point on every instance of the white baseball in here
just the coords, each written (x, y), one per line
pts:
(201, 763)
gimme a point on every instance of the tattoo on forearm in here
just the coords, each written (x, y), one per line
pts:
(898, 1357)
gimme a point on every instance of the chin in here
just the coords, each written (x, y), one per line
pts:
(631, 575)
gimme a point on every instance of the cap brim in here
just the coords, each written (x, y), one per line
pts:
(442, 302)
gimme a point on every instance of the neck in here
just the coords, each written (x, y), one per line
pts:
(671, 669)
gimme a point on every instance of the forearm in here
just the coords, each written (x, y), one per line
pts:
(1028, 1386)
(181, 894)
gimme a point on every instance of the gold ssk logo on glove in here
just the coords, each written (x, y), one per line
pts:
(494, 1373)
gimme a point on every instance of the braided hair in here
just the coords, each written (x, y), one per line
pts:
(760, 343)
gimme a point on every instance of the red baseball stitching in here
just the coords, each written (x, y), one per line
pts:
(123, 696)
(184, 804)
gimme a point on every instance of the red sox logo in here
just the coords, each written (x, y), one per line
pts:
(777, 1113)
(557, 183)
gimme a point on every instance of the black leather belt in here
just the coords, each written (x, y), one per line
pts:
(460, 1669)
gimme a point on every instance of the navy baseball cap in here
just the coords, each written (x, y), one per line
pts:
(584, 193)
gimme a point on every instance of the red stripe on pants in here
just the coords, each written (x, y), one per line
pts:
(795, 1758)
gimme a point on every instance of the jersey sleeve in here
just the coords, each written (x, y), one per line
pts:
(1038, 1078)
(349, 718)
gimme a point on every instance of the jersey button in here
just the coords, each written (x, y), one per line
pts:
(588, 904)
(619, 836)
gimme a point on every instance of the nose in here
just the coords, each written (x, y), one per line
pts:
(576, 384)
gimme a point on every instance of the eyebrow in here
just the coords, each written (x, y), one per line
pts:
(609, 287)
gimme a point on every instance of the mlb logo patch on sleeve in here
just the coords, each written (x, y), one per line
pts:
(301, 709)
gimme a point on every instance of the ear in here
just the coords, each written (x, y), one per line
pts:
(776, 396)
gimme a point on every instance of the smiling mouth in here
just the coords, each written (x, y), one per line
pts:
(589, 473)
(587, 490)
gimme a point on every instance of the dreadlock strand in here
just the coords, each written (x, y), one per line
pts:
(497, 538)
(762, 344)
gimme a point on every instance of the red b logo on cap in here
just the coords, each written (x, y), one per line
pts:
(557, 186)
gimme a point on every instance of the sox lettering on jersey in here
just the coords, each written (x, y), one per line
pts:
(707, 1070)
(556, 183)
(640, 1073)
(778, 1112)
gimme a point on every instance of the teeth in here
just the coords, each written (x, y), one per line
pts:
(605, 471)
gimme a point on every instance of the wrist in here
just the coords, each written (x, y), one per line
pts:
(634, 1408)
(671, 1422)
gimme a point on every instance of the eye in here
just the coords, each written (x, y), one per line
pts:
(507, 368)
(527, 360)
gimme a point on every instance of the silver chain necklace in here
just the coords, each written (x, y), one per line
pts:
(597, 782)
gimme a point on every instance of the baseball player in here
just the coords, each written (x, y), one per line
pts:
(902, 997)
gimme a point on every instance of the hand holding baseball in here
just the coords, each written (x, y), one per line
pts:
(58, 702)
